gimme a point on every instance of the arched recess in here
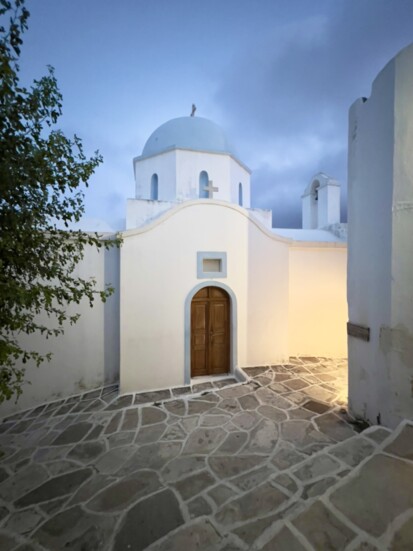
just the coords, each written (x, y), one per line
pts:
(240, 197)
(154, 187)
(203, 182)
(314, 189)
(315, 186)
(233, 326)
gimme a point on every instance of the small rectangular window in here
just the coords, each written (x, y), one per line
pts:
(212, 265)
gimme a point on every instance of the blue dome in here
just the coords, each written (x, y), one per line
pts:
(187, 133)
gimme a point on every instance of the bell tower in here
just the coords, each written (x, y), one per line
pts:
(321, 202)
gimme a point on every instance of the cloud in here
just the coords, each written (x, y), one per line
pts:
(279, 76)
(281, 190)
(286, 95)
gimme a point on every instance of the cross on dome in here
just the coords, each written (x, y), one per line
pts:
(210, 189)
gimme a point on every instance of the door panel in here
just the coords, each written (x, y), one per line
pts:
(210, 334)
(199, 318)
(218, 362)
(216, 292)
(203, 293)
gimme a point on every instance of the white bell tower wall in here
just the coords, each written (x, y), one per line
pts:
(178, 175)
(321, 202)
(164, 165)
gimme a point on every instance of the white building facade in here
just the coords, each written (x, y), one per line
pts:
(206, 286)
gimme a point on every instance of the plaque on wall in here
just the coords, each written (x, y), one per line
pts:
(358, 331)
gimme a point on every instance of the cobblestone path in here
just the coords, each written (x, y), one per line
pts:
(271, 463)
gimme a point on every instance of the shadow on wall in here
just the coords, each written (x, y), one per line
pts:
(111, 317)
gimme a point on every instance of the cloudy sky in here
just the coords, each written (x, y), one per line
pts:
(277, 75)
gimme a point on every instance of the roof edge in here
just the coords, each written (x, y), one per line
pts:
(175, 148)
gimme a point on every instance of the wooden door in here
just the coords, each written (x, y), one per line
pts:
(210, 334)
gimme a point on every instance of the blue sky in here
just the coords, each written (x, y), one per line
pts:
(277, 75)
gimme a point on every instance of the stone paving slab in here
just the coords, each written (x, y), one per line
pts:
(274, 462)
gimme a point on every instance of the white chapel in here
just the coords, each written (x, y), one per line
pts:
(204, 284)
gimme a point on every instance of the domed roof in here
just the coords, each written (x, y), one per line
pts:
(187, 133)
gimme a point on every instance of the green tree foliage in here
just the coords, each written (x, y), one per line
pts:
(42, 177)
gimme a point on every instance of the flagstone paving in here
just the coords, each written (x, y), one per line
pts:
(274, 462)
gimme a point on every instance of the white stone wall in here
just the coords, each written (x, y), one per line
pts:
(239, 175)
(189, 165)
(263, 216)
(318, 300)
(320, 202)
(290, 299)
(178, 173)
(328, 204)
(380, 269)
(164, 165)
(141, 211)
(308, 212)
(87, 355)
(165, 253)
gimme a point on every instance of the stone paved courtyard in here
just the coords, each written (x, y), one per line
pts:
(271, 463)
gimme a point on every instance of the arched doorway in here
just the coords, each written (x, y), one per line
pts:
(210, 332)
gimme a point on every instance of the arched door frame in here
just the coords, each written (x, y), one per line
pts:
(233, 326)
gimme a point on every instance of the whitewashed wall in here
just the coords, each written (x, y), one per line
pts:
(165, 253)
(178, 173)
(140, 211)
(264, 217)
(87, 355)
(239, 175)
(380, 268)
(321, 208)
(164, 165)
(329, 204)
(290, 299)
(189, 165)
(318, 300)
